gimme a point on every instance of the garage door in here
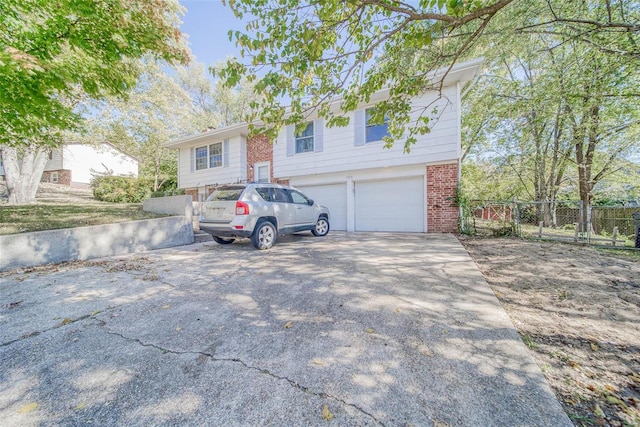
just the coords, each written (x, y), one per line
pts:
(333, 196)
(390, 205)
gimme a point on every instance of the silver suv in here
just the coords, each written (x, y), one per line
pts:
(260, 211)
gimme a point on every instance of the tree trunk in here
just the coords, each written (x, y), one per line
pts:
(22, 171)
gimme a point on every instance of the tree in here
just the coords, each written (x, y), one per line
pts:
(51, 51)
(311, 52)
(165, 104)
(559, 111)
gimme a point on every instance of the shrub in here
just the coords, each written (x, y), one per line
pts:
(167, 193)
(120, 189)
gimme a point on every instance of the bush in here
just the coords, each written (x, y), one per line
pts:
(167, 193)
(120, 189)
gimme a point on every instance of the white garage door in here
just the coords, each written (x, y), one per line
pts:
(390, 205)
(333, 196)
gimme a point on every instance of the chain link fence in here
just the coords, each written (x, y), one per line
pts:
(564, 220)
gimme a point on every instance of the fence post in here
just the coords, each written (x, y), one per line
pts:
(575, 237)
(636, 220)
(540, 229)
(588, 224)
(615, 235)
(514, 224)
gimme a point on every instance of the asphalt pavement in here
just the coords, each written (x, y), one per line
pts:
(362, 329)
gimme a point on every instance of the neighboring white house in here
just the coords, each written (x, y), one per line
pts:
(75, 164)
(366, 186)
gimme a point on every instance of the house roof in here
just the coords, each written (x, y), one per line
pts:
(463, 72)
(220, 133)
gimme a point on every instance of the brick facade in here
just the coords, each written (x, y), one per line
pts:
(64, 176)
(193, 192)
(442, 183)
(259, 149)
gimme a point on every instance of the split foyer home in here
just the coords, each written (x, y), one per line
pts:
(365, 186)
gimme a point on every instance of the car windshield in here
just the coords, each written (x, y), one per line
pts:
(226, 193)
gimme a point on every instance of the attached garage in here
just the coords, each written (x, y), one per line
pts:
(333, 196)
(365, 203)
(390, 205)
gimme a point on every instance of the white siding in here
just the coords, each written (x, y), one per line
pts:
(340, 153)
(236, 171)
(83, 159)
(55, 162)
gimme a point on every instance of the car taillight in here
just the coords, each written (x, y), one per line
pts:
(242, 208)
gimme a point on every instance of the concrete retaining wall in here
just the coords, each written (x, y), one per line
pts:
(43, 247)
(172, 205)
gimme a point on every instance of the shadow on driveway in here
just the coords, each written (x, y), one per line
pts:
(350, 329)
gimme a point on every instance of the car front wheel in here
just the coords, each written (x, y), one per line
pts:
(222, 241)
(322, 227)
(264, 236)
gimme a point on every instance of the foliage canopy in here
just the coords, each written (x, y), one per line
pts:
(51, 52)
(311, 52)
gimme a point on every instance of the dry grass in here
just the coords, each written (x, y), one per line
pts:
(577, 309)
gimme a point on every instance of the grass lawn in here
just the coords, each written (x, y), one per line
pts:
(48, 216)
(59, 207)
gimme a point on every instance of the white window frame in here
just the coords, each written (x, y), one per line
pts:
(300, 138)
(206, 161)
(368, 126)
(54, 178)
(256, 168)
(210, 156)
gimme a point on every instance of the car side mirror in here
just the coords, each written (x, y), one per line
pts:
(310, 202)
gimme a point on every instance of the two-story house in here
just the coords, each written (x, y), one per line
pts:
(366, 187)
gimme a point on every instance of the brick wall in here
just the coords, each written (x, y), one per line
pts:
(193, 192)
(442, 182)
(64, 176)
(259, 149)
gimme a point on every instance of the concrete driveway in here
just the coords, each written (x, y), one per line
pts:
(351, 329)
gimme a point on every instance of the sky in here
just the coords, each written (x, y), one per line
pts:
(207, 23)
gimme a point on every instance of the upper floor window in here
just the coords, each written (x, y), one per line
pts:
(201, 158)
(374, 131)
(215, 155)
(209, 156)
(304, 140)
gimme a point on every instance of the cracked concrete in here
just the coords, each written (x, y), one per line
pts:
(382, 329)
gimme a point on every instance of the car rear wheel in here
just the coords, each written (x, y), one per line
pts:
(223, 241)
(322, 227)
(264, 236)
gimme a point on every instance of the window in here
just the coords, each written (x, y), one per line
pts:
(304, 140)
(262, 173)
(215, 155)
(201, 158)
(209, 156)
(375, 132)
(227, 193)
(54, 177)
(264, 193)
(280, 195)
(299, 198)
